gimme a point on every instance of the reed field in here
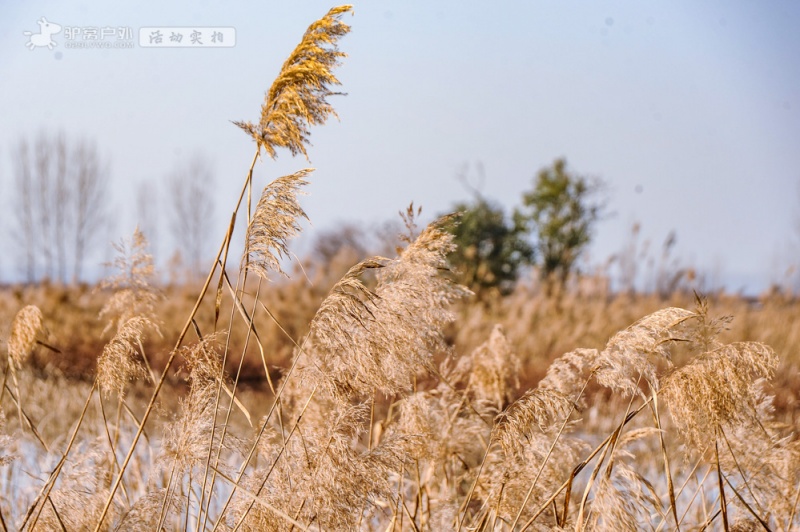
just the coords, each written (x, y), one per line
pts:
(377, 393)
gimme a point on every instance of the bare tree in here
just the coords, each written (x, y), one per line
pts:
(89, 203)
(43, 177)
(61, 203)
(23, 210)
(147, 210)
(192, 212)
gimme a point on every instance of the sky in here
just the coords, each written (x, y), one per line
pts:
(688, 111)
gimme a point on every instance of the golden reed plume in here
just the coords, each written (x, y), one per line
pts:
(297, 98)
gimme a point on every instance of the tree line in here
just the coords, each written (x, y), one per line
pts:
(61, 208)
(61, 191)
(549, 230)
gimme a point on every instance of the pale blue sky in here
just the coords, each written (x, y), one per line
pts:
(695, 104)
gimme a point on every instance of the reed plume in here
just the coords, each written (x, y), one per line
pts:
(539, 408)
(516, 480)
(444, 424)
(320, 476)
(26, 328)
(130, 311)
(185, 441)
(360, 341)
(491, 371)
(335, 337)
(762, 462)
(192, 437)
(297, 98)
(380, 340)
(132, 284)
(624, 501)
(568, 374)
(274, 223)
(632, 354)
(77, 502)
(119, 364)
(144, 514)
(415, 304)
(718, 389)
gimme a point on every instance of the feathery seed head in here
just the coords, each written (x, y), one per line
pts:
(569, 372)
(119, 364)
(509, 477)
(27, 325)
(202, 359)
(381, 340)
(624, 500)
(186, 440)
(146, 511)
(297, 98)
(442, 425)
(341, 328)
(538, 408)
(275, 222)
(134, 294)
(81, 491)
(628, 355)
(491, 370)
(718, 389)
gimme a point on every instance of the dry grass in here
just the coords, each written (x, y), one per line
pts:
(353, 444)
(388, 399)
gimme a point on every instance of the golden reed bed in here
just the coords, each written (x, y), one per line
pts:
(390, 402)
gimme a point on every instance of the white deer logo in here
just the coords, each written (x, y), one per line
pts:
(46, 29)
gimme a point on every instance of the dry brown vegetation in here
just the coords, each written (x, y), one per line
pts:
(382, 396)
